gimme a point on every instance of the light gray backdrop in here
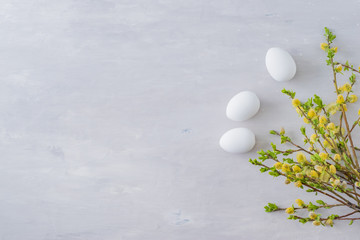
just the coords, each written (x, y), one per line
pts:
(111, 112)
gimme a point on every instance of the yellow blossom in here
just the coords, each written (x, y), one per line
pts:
(327, 144)
(300, 203)
(318, 168)
(323, 156)
(312, 215)
(323, 120)
(353, 98)
(298, 184)
(345, 107)
(301, 158)
(346, 87)
(338, 68)
(331, 126)
(316, 223)
(335, 49)
(289, 210)
(278, 165)
(314, 174)
(320, 125)
(357, 184)
(325, 45)
(333, 111)
(329, 222)
(332, 169)
(337, 157)
(340, 99)
(296, 168)
(299, 175)
(295, 102)
(306, 120)
(336, 182)
(285, 167)
(313, 138)
(359, 112)
(311, 113)
(287, 181)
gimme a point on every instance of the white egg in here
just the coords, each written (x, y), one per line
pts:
(237, 140)
(280, 64)
(243, 106)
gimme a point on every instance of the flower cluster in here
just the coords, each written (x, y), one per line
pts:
(326, 164)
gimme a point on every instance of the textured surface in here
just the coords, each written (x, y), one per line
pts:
(111, 112)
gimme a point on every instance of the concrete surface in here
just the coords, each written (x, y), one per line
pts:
(111, 112)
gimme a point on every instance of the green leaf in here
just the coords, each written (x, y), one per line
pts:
(303, 130)
(351, 222)
(291, 94)
(273, 132)
(271, 207)
(320, 202)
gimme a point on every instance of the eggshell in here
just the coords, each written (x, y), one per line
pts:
(243, 106)
(237, 140)
(280, 64)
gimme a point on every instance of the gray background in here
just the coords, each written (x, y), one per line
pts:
(111, 112)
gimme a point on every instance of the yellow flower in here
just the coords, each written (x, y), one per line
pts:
(289, 210)
(323, 46)
(335, 49)
(332, 169)
(346, 87)
(336, 182)
(323, 156)
(316, 223)
(338, 68)
(285, 167)
(353, 98)
(311, 113)
(295, 102)
(287, 181)
(331, 126)
(311, 149)
(322, 120)
(278, 165)
(345, 107)
(299, 175)
(359, 112)
(357, 184)
(300, 203)
(312, 215)
(318, 168)
(298, 184)
(313, 138)
(301, 158)
(332, 111)
(320, 125)
(314, 174)
(306, 120)
(299, 110)
(327, 144)
(329, 222)
(337, 157)
(340, 99)
(296, 168)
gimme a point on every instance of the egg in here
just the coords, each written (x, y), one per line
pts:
(243, 106)
(237, 140)
(280, 64)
